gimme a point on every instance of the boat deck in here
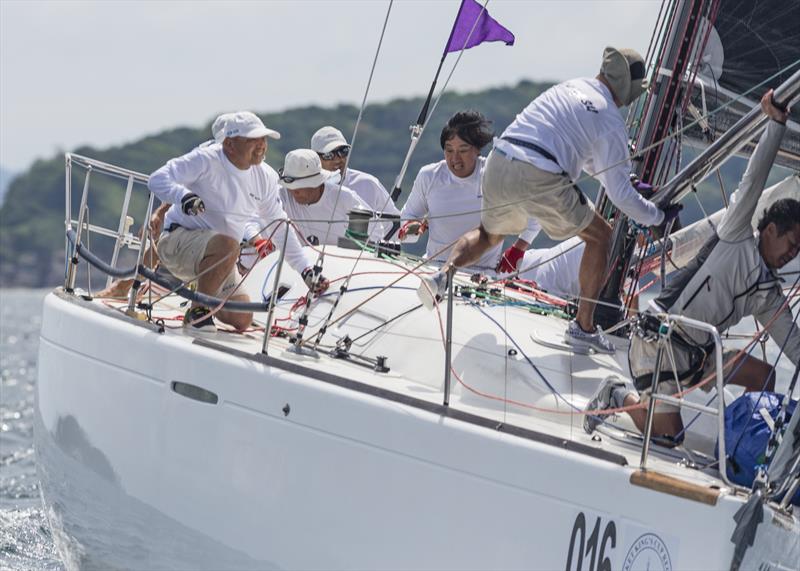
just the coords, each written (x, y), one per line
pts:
(510, 368)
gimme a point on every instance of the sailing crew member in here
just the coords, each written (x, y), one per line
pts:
(222, 193)
(333, 149)
(556, 270)
(316, 204)
(573, 126)
(732, 277)
(449, 191)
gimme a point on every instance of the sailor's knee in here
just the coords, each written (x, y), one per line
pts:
(491, 239)
(222, 243)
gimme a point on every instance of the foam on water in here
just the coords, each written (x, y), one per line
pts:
(26, 541)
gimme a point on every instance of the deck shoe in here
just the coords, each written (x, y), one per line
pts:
(435, 290)
(199, 319)
(611, 392)
(596, 341)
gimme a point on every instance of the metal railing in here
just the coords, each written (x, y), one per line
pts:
(77, 227)
(670, 321)
(121, 236)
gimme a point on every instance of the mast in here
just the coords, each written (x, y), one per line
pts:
(663, 101)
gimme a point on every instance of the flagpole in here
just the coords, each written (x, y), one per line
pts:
(424, 113)
(416, 128)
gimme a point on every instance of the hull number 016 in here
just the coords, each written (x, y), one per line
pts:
(590, 551)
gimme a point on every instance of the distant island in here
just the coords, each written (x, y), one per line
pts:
(32, 214)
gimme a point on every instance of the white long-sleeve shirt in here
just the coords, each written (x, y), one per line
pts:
(453, 205)
(314, 220)
(370, 190)
(580, 125)
(241, 204)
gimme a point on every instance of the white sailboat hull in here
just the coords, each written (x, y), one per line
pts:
(293, 468)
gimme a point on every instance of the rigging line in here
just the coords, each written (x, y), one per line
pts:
(343, 289)
(711, 376)
(208, 269)
(638, 153)
(766, 381)
(442, 89)
(318, 266)
(358, 120)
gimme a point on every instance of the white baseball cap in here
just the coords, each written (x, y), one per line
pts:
(327, 139)
(303, 169)
(241, 124)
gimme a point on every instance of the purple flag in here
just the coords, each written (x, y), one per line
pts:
(486, 30)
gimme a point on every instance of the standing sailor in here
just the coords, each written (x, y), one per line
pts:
(221, 194)
(333, 149)
(573, 126)
(732, 277)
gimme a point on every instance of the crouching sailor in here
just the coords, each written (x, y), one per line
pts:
(732, 277)
(221, 193)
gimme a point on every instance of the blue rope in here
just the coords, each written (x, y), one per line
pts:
(528, 359)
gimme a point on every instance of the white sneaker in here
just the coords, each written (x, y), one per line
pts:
(432, 289)
(596, 341)
(602, 400)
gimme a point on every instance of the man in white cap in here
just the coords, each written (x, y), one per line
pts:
(222, 194)
(316, 204)
(573, 126)
(333, 149)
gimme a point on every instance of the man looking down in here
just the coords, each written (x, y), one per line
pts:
(317, 206)
(733, 276)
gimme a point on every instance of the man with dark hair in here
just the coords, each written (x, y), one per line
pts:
(571, 127)
(449, 191)
(732, 277)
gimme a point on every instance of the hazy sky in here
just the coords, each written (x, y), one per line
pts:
(110, 72)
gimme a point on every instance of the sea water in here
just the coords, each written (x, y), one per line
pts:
(26, 541)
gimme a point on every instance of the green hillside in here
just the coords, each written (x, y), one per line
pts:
(32, 214)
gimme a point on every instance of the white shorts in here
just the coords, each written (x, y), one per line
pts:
(182, 250)
(514, 191)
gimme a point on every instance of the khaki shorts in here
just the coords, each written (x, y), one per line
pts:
(514, 191)
(182, 250)
(642, 359)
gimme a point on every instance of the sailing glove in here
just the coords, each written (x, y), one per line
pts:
(321, 285)
(263, 247)
(509, 260)
(671, 213)
(643, 188)
(412, 228)
(192, 205)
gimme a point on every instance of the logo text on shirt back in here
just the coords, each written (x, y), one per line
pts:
(585, 101)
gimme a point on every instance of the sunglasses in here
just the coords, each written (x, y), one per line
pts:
(340, 152)
(290, 179)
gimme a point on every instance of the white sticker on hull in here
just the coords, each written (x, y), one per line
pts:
(648, 553)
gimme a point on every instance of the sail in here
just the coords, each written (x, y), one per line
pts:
(751, 46)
